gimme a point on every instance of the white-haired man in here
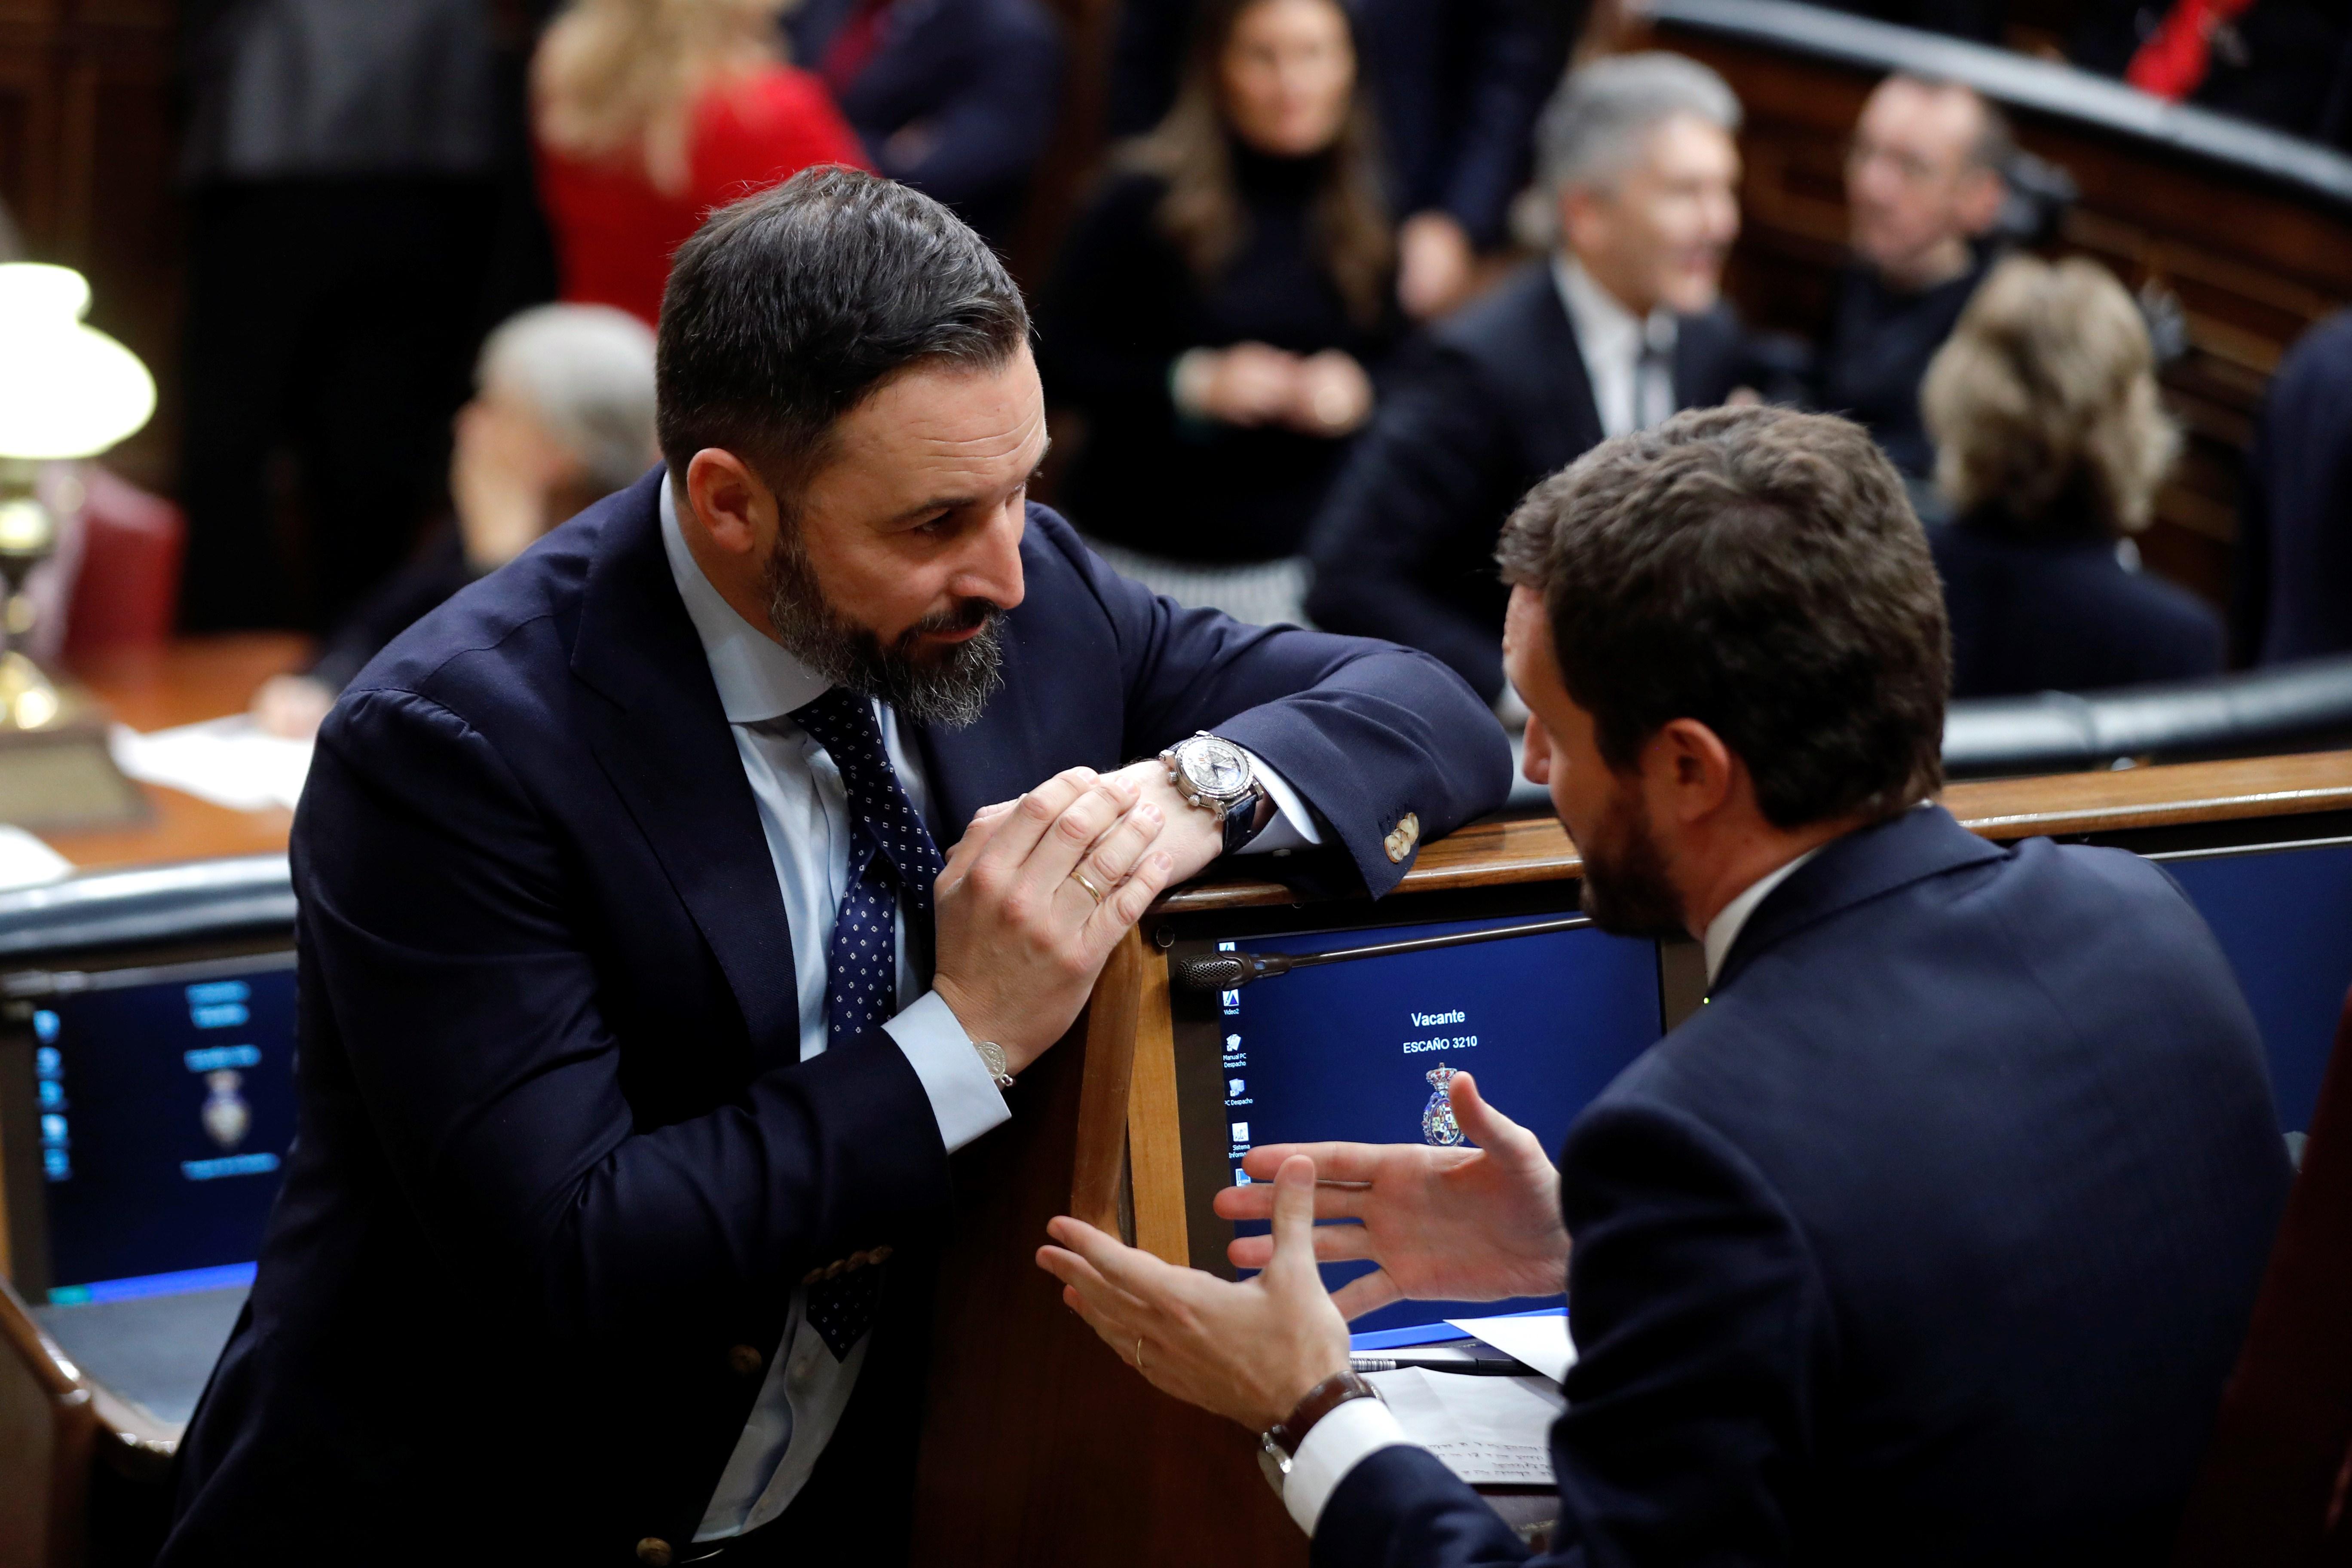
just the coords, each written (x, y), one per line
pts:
(1618, 329)
(562, 416)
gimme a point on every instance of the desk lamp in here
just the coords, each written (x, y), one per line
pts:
(70, 391)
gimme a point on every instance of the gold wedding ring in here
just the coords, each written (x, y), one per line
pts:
(1082, 879)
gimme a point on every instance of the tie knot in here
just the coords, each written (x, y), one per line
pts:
(843, 723)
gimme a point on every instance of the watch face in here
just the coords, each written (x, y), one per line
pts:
(1215, 768)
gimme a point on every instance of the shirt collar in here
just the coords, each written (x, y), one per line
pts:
(1603, 327)
(757, 679)
(1724, 930)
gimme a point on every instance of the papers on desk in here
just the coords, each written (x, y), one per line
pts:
(228, 761)
(1490, 1431)
(26, 862)
(1539, 1339)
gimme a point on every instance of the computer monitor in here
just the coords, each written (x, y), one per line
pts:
(1358, 1052)
(146, 1088)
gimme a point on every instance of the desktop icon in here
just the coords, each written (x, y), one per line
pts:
(225, 1115)
(1437, 1123)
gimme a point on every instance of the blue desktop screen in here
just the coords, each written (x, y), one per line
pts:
(166, 1104)
(2285, 921)
(1344, 1052)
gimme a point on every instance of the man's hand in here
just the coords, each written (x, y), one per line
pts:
(1443, 1224)
(1189, 836)
(1435, 264)
(1021, 937)
(1249, 1352)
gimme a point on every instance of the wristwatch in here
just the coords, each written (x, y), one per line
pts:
(993, 1057)
(1277, 1446)
(1214, 776)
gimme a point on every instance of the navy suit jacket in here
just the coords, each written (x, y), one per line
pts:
(981, 81)
(1404, 546)
(2295, 534)
(1457, 84)
(559, 1165)
(1931, 1238)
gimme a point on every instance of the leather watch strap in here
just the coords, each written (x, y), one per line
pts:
(1321, 1400)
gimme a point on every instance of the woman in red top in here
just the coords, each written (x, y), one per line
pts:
(649, 114)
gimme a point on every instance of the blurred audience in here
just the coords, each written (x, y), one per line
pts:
(1456, 84)
(1619, 328)
(1923, 183)
(956, 97)
(1220, 306)
(2293, 589)
(343, 159)
(562, 414)
(650, 113)
(2279, 62)
(2050, 445)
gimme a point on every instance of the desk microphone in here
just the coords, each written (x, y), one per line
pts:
(1232, 971)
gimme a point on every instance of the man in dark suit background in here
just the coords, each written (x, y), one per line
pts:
(1929, 1239)
(632, 1054)
(956, 97)
(1458, 83)
(1622, 325)
(2293, 594)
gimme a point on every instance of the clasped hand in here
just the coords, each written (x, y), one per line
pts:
(1462, 1224)
(1038, 891)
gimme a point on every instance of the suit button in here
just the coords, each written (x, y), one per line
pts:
(654, 1551)
(746, 1361)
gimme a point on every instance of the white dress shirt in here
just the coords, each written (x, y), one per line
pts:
(1361, 1427)
(804, 816)
(1629, 360)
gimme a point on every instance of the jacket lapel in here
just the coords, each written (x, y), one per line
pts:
(1924, 841)
(1569, 414)
(661, 737)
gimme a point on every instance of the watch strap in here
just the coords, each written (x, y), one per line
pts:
(1321, 1400)
(1241, 818)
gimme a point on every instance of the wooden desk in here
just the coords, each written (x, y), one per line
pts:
(1042, 1447)
(188, 681)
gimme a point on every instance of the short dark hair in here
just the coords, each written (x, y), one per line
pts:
(791, 307)
(1760, 571)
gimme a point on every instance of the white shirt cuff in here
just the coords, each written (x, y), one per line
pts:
(1293, 826)
(1345, 1438)
(964, 1095)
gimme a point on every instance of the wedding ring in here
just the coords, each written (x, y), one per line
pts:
(1139, 1352)
(1082, 880)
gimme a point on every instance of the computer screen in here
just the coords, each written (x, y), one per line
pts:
(1359, 1051)
(165, 1103)
(2285, 920)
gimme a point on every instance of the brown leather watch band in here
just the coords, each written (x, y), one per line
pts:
(1321, 1400)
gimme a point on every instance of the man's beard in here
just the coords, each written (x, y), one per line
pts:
(1626, 890)
(950, 689)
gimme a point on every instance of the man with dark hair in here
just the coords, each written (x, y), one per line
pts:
(1924, 186)
(641, 1010)
(1929, 1239)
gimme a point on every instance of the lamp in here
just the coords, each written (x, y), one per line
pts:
(70, 391)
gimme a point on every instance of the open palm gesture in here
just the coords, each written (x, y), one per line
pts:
(1444, 1225)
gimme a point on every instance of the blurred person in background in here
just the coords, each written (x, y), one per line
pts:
(2280, 63)
(2050, 443)
(1619, 327)
(1922, 185)
(649, 113)
(2294, 587)
(1219, 308)
(563, 416)
(956, 97)
(342, 158)
(1456, 84)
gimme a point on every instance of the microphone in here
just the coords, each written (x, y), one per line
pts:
(1232, 971)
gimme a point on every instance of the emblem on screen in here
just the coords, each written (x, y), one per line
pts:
(226, 1116)
(1437, 1123)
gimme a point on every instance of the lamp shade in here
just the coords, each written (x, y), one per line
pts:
(66, 390)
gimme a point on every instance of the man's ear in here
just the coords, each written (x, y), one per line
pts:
(1699, 774)
(734, 505)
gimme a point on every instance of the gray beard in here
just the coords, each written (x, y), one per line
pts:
(951, 690)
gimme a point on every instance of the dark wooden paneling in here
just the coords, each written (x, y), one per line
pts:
(2254, 264)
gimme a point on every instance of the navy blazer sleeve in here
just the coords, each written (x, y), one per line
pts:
(1366, 732)
(432, 892)
(986, 135)
(1700, 1325)
(1420, 482)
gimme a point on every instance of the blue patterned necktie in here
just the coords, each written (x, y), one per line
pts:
(892, 859)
